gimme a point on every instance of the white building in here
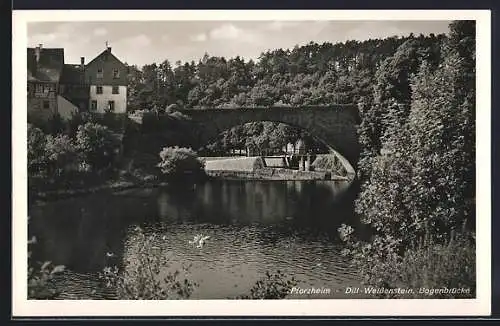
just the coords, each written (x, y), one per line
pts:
(107, 77)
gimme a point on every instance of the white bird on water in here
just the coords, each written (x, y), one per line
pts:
(199, 240)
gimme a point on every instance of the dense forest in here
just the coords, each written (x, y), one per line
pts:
(416, 96)
(313, 74)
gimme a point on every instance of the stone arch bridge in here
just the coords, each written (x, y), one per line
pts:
(335, 126)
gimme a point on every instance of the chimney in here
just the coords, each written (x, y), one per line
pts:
(109, 49)
(37, 52)
(82, 63)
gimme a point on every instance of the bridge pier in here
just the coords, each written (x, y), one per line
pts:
(305, 163)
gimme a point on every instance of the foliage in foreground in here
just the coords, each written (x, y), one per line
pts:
(39, 276)
(272, 286)
(143, 276)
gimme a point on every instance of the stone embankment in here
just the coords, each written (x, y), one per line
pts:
(274, 174)
(258, 168)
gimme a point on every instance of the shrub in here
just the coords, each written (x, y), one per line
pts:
(141, 277)
(97, 144)
(436, 265)
(178, 162)
(272, 286)
(428, 265)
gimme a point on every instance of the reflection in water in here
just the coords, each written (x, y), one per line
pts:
(253, 226)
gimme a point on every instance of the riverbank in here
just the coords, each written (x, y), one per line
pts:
(275, 174)
(125, 184)
(324, 167)
(41, 188)
(242, 168)
(109, 186)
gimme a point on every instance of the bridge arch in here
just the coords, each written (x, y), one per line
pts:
(335, 126)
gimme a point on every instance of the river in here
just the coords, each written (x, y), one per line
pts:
(254, 227)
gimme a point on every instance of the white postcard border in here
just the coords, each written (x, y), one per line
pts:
(316, 307)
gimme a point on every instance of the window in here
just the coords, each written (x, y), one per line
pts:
(39, 88)
(98, 90)
(116, 90)
(116, 73)
(100, 73)
(93, 105)
(111, 106)
(46, 104)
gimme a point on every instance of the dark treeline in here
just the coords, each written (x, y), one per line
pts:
(313, 74)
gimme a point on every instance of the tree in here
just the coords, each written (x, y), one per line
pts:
(61, 152)
(97, 144)
(37, 156)
(442, 124)
(420, 193)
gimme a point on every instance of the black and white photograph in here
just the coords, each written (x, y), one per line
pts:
(267, 159)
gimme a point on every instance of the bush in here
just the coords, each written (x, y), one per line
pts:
(97, 144)
(272, 286)
(141, 277)
(179, 162)
(429, 265)
(449, 265)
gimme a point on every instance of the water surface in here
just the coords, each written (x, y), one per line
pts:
(254, 227)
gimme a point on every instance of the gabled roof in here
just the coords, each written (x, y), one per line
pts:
(107, 54)
(49, 66)
(72, 74)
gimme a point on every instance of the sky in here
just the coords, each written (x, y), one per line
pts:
(146, 42)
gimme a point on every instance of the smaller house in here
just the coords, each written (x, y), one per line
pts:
(45, 66)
